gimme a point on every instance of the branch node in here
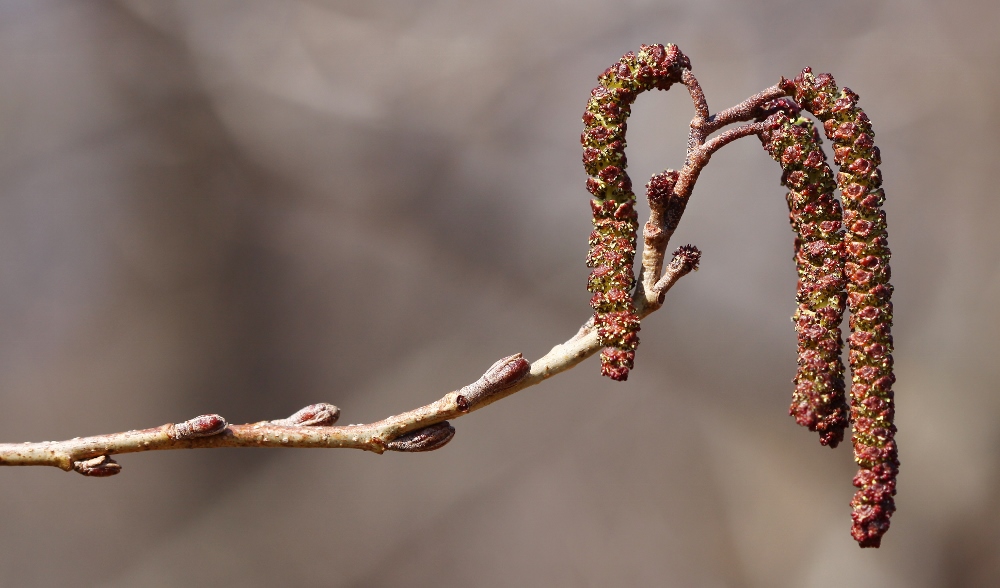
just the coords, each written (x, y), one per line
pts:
(429, 438)
(205, 425)
(101, 466)
(315, 415)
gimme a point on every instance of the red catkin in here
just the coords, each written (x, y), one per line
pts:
(818, 400)
(613, 241)
(868, 296)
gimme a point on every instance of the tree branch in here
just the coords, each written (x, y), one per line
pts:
(422, 429)
(427, 428)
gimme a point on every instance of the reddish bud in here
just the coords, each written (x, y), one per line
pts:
(314, 415)
(205, 425)
(101, 466)
(426, 439)
(501, 375)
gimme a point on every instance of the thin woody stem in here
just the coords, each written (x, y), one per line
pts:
(744, 111)
(508, 376)
(685, 261)
(401, 432)
(697, 94)
(426, 428)
(721, 140)
(665, 214)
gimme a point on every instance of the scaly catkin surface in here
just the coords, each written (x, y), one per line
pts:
(818, 401)
(868, 296)
(613, 241)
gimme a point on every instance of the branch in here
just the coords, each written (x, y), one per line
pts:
(721, 140)
(422, 429)
(428, 428)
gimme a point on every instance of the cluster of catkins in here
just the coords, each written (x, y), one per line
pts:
(841, 257)
(613, 241)
(836, 251)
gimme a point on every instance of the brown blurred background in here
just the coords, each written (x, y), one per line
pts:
(245, 206)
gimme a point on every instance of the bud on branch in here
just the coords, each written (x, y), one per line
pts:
(502, 375)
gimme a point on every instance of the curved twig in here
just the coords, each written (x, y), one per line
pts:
(416, 430)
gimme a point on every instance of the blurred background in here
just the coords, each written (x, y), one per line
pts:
(246, 206)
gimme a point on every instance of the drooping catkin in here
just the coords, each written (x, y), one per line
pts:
(868, 296)
(818, 401)
(613, 241)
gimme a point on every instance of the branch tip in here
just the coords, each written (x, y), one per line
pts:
(685, 260)
(688, 257)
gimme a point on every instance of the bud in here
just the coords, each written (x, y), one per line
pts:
(427, 439)
(314, 415)
(501, 375)
(205, 425)
(101, 466)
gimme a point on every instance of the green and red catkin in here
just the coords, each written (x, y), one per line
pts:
(868, 296)
(818, 401)
(613, 241)
(841, 256)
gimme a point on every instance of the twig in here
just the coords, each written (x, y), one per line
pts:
(749, 109)
(667, 209)
(423, 429)
(417, 430)
(427, 428)
(721, 140)
(685, 260)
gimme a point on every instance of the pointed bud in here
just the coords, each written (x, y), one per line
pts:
(205, 425)
(314, 415)
(502, 375)
(427, 439)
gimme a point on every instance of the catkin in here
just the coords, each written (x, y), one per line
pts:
(613, 240)
(868, 297)
(818, 401)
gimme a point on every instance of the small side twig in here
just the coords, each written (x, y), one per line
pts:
(747, 110)
(721, 140)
